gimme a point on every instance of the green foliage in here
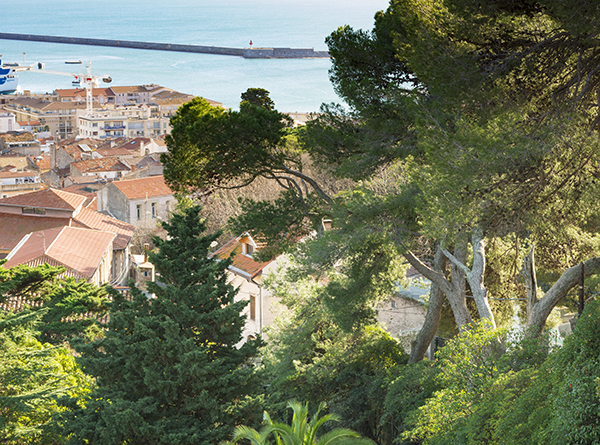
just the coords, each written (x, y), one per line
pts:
(468, 364)
(212, 147)
(258, 97)
(482, 377)
(25, 281)
(288, 211)
(301, 431)
(72, 309)
(309, 357)
(414, 384)
(33, 376)
(492, 390)
(575, 400)
(168, 369)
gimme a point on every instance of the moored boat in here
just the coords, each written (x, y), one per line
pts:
(9, 81)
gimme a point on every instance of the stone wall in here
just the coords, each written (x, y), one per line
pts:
(110, 198)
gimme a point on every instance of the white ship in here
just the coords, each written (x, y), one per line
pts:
(8, 79)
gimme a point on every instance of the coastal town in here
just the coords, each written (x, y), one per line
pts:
(81, 186)
(185, 261)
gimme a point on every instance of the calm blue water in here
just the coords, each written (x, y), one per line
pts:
(295, 85)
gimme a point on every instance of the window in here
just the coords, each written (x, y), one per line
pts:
(252, 307)
(33, 211)
(138, 209)
(153, 206)
(249, 249)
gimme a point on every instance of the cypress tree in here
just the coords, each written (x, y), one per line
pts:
(168, 371)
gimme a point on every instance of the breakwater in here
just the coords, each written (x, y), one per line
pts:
(248, 53)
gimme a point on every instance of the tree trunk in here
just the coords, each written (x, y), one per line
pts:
(528, 272)
(432, 318)
(457, 298)
(475, 275)
(541, 309)
(454, 291)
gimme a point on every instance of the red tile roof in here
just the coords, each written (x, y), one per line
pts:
(117, 151)
(100, 165)
(98, 221)
(14, 227)
(17, 174)
(140, 188)
(47, 199)
(80, 250)
(86, 189)
(72, 92)
(240, 261)
(44, 163)
(135, 143)
(27, 123)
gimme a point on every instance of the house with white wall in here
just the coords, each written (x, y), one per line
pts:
(140, 202)
(107, 168)
(246, 274)
(8, 123)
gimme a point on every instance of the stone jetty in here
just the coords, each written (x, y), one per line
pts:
(248, 53)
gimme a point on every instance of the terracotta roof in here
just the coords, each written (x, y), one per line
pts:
(140, 188)
(47, 199)
(87, 189)
(130, 89)
(30, 102)
(240, 261)
(117, 151)
(100, 165)
(13, 227)
(73, 150)
(72, 92)
(17, 174)
(98, 221)
(67, 106)
(135, 144)
(80, 250)
(44, 163)
(29, 123)
(110, 143)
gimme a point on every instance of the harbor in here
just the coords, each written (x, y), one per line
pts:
(247, 53)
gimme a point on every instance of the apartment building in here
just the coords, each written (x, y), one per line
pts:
(60, 117)
(124, 120)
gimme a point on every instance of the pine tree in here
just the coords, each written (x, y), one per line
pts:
(168, 371)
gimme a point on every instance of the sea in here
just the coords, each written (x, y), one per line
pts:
(295, 85)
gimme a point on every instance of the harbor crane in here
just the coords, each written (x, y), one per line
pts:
(88, 80)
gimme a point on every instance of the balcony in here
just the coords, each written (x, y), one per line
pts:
(112, 127)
